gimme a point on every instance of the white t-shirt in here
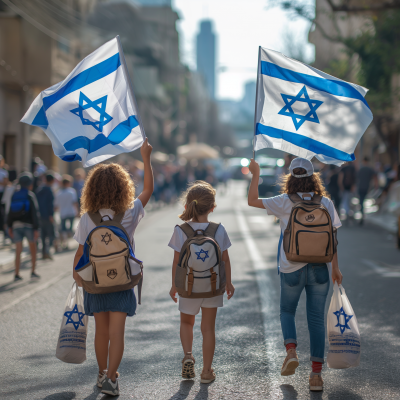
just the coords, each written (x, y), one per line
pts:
(65, 201)
(281, 206)
(130, 222)
(179, 237)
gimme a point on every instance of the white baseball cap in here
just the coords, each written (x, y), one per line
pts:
(301, 163)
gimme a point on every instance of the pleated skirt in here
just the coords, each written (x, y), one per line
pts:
(124, 301)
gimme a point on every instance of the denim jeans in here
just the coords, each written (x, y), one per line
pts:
(315, 279)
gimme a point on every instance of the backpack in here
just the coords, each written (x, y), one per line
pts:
(200, 272)
(20, 205)
(108, 263)
(309, 236)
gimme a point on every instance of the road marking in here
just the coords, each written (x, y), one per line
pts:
(264, 283)
(32, 292)
(382, 270)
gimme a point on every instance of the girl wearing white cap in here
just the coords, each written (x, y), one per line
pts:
(296, 276)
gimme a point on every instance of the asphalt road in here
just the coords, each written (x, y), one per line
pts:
(250, 348)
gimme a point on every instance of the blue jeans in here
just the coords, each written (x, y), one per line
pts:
(315, 279)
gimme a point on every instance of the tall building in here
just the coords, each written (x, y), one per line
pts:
(206, 55)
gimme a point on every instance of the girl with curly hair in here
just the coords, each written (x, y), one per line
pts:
(296, 276)
(109, 190)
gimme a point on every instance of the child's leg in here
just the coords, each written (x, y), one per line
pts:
(187, 322)
(117, 335)
(33, 249)
(101, 338)
(208, 316)
(18, 251)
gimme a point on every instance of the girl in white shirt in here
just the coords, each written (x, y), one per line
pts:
(295, 276)
(109, 190)
(199, 201)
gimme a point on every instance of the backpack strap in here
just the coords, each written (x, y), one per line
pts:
(98, 219)
(187, 230)
(211, 229)
(95, 217)
(295, 198)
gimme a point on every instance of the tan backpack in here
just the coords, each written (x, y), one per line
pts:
(108, 263)
(200, 272)
(309, 236)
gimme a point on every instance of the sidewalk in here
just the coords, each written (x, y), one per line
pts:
(385, 221)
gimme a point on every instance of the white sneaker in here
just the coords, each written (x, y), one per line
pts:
(101, 378)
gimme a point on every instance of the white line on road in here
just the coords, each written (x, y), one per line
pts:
(385, 272)
(32, 292)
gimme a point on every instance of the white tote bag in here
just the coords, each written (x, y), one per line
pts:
(343, 333)
(71, 346)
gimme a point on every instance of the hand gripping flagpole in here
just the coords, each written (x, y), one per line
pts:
(255, 106)
(128, 79)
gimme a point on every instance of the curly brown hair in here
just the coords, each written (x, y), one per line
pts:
(107, 186)
(199, 199)
(291, 185)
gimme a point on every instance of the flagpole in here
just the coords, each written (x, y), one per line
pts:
(255, 106)
(128, 79)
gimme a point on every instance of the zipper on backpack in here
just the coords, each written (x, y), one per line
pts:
(111, 254)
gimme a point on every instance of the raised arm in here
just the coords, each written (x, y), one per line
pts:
(253, 200)
(148, 179)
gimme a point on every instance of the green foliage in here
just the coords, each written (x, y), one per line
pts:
(379, 52)
(339, 68)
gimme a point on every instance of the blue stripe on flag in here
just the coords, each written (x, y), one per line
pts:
(86, 77)
(304, 142)
(117, 135)
(41, 119)
(337, 88)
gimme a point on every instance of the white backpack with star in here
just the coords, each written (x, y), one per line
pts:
(71, 345)
(200, 272)
(343, 333)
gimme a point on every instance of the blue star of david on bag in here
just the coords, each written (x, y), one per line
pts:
(303, 97)
(99, 105)
(346, 317)
(69, 315)
(199, 253)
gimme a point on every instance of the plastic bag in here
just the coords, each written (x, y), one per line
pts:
(343, 333)
(71, 346)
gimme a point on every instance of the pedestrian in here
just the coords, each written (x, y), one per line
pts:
(3, 185)
(79, 181)
(109, 190)
(23, 221)
(45, 199)
(67, 204)
(199, 202)
(364, 178)
(333, 185)
(347, 182)
(296, 276)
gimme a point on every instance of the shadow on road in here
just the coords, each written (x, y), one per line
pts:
(183, 391)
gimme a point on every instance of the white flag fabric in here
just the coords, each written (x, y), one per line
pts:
(306, 112)
(91, 115)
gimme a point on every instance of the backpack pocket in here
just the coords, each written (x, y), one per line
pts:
(203, 281)
(111, 270)
(314, 244)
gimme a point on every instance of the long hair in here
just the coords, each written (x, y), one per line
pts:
(198, 199)
(107, 186)
(291, 185)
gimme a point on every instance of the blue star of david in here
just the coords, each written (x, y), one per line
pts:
(69, 314)
(99, 105)
(199, 253)
(346, 317)
(303, 97)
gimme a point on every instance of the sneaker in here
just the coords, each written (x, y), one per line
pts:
(47, 257)
(17, 278)
(109, 387)
(290, 364)
(188, 366)
(101, 378)
(316, 383)
(208, 377)
(34, 275)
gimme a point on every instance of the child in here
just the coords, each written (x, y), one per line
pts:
(199, 201)
(109, 190)
(67, 204)
(295, 276)
(23, 221)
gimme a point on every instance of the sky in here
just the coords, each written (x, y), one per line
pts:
(241, 26)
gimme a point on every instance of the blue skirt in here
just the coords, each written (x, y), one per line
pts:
(124, 301)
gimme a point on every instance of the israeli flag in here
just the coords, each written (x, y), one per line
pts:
(306, 112)
(91, 115)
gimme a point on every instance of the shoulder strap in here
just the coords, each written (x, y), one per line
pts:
(211, 229)
(295, 198)
(118, 218)
(95, 217)
(317, 199)
(187, 230)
